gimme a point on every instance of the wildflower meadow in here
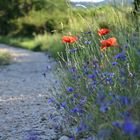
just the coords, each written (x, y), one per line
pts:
(101, 89)
(102, 84)
(81, 78)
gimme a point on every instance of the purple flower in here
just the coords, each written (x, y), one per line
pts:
(122, 72)
(120, 56)
(109, 81)
(64, 104)
(51, 100)
(74, 50)
(100, 98)
(87, 42)
(75, 110)
(124, 100)
(76, 95)
(73, 69)
(83, 100)
(71, 138)
(82, 127)
(114, 63)
(104, 108)
(90, 138)
(85, 70)
(111, 74)
(70, 89)
(32, 135)
(117, 124)
(88, 32)
(91, 76)
(129, 127)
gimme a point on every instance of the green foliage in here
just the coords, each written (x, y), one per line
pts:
(25, 17)
(5, 58)
(87, 91)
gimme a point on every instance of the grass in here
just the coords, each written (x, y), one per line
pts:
(79, 21)
(5, 58)
(101, 89)
(46, 42)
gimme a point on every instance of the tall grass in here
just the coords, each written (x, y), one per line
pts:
(118, 20)
(101, 89)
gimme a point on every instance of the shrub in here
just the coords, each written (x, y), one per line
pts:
(5, 58)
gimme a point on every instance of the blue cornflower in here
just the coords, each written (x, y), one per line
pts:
(71, 138)
(104, 108)
(137, 131)
(114, 63)
(76, 95)
(124, 100)
(74, 50)
(109, 81)
(75, 110)
(70, 89)
(129, 127)
(91, 76)
(90, 138)
(83, 100)
(82, 127)
(126, 46)
(32, 136)
(85, 70)
(120, 56)
(100, 98)
(117, 124)
(93, 83)
(64, 104)
(51, 100)
(73, 69)
(87, 42)
(88, 32)
(111, 74)
(96, 72)
(104, 74)
(122, 72)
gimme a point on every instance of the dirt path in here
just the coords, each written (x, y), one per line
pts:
(24, 111)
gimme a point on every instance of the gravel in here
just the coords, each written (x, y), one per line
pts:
(25, 86)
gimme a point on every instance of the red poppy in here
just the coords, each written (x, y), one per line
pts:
(108, 43)
(103, 31)
(103, 48)
(69, 39)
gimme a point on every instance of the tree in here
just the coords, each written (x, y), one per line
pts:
(136, 6)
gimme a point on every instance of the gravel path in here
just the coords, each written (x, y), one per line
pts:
(24, 111)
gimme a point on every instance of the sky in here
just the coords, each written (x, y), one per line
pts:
(86, 0)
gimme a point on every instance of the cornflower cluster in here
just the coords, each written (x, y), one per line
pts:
(101, 90)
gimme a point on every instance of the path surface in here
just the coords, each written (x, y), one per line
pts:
(24, 111)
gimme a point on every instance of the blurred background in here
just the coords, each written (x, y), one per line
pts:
(39, 24)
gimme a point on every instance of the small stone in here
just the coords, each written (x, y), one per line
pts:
(64, 138)
(43, 119)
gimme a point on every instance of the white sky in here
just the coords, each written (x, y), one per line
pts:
(86, 0)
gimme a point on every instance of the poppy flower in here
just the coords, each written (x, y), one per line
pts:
(103, 31)
(69, 39)
(108, 43)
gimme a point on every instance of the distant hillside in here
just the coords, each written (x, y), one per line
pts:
(95, 4)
